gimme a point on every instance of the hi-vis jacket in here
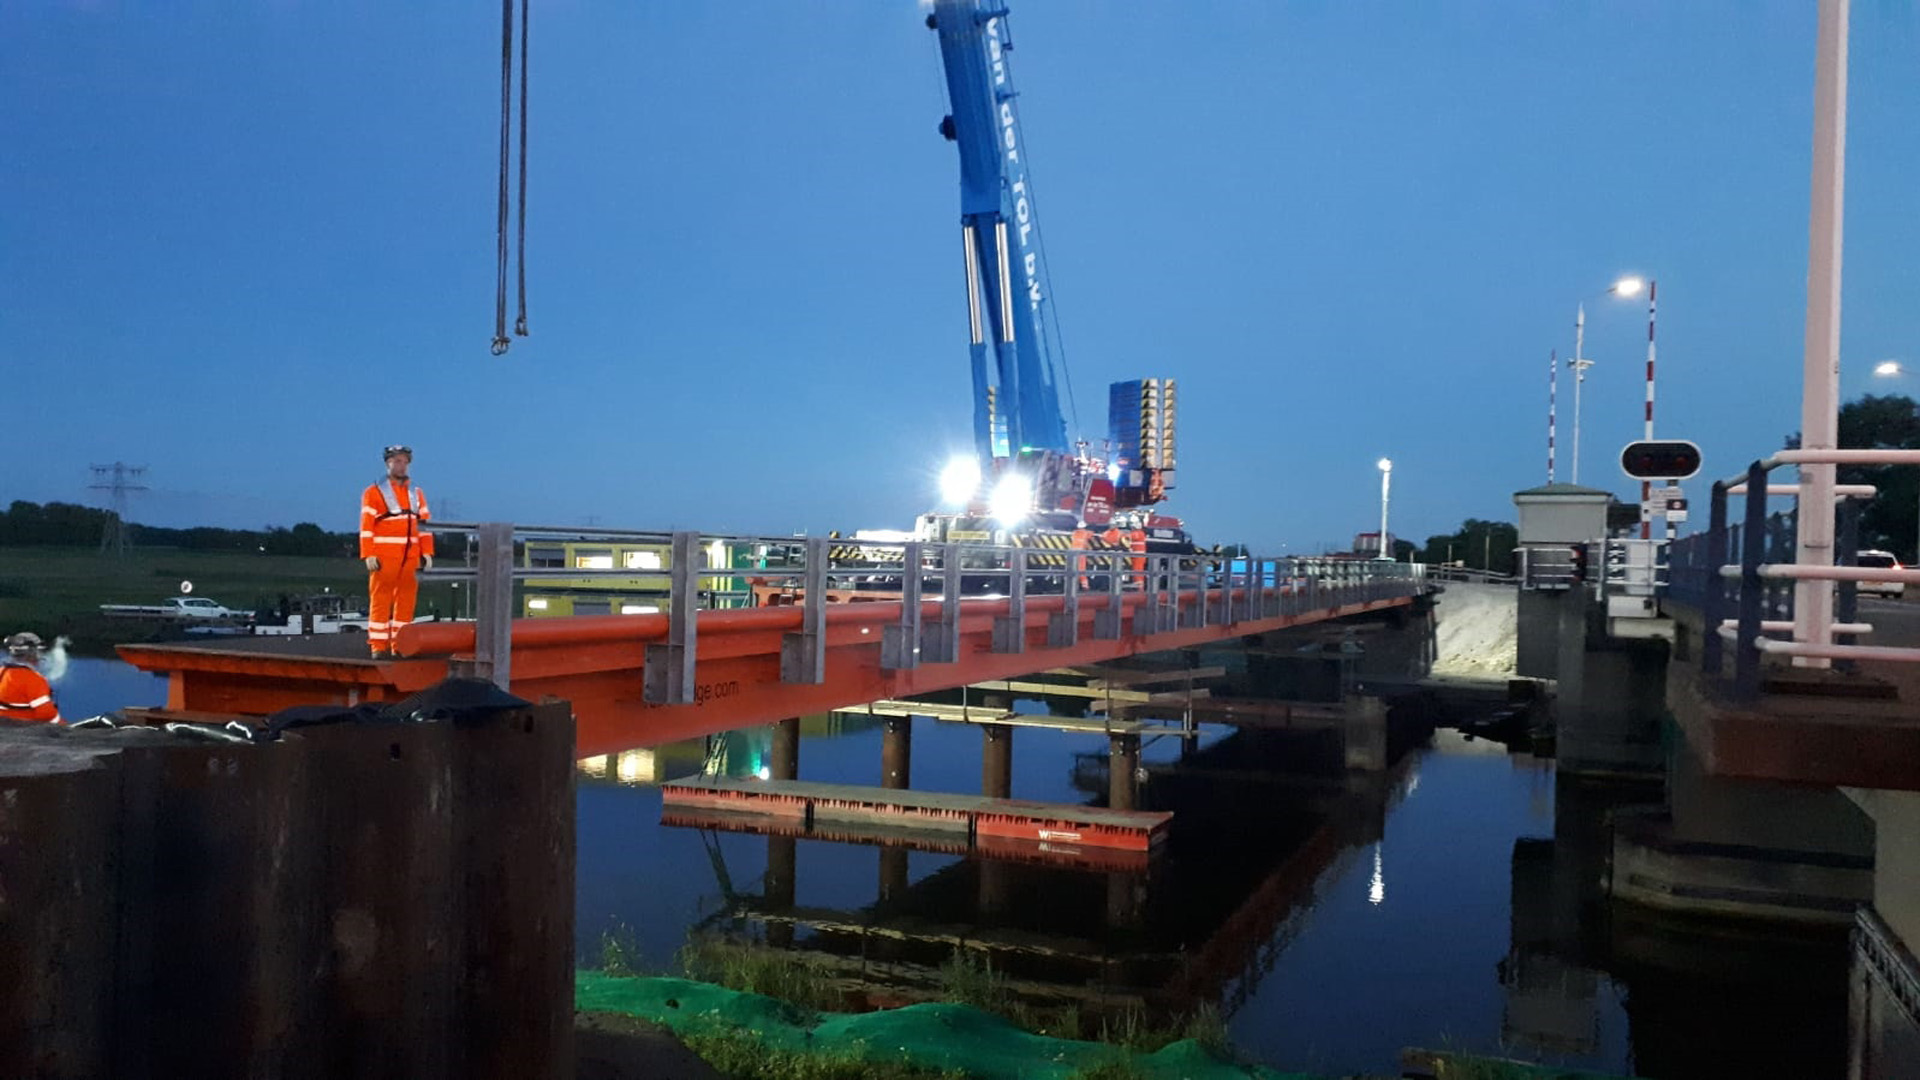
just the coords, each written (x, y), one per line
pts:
(393, 516)
(24, 694)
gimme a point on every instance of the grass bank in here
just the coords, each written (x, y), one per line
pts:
(58, 591)
(805, 994)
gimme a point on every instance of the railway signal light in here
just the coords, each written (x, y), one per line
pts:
(1660, 459)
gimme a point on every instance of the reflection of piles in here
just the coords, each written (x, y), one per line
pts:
(969, 917)
(1230, 965)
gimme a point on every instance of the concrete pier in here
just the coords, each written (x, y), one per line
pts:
(1365, 731)
(1612, 694)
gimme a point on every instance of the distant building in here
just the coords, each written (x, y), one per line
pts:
(1367, 544)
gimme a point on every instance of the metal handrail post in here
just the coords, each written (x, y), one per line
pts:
(803, 655)
(1846, 553)
(1713, 602)
(1010, 632)
(1146, 617)
(1107, 618)
(940, 642)
(669, 672)
(493, 633)
(1753, 590)
(900, 643)
(1063, 626)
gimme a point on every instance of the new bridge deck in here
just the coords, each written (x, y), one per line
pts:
(599, 663)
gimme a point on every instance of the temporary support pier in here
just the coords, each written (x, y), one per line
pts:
(971, 815)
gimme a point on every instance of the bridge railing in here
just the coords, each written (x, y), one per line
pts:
(1741, 576)
(686, 572)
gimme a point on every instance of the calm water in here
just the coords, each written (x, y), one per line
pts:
(1452, 904)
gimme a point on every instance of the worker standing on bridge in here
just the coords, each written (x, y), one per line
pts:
(1137, 543)
(396, 546)
(1082, 540)
(24, 693)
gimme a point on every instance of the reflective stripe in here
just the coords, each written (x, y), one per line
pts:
(397, 506)
(391, 539)
(34, 704)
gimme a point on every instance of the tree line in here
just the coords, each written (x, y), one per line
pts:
(59, 524)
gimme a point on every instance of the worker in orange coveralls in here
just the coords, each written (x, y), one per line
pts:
(24, 693)
(1137, 543)
(396, 547)
(1081, 540)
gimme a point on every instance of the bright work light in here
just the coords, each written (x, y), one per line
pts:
(959, 480)
(1012, 499)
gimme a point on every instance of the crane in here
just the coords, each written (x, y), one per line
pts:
(1024, 467)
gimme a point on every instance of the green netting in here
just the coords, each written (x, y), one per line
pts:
(977, 1043)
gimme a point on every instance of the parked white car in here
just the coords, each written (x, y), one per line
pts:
(183, 608)
(1881, 560)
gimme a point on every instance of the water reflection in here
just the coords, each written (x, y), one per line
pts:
(1096, 931)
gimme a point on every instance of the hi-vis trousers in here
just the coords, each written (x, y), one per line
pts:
(391, 592)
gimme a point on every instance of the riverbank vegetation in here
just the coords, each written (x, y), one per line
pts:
(807, 987)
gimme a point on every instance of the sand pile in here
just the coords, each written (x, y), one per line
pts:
(1477, 631)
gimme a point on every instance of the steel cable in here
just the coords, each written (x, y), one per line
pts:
(500, 339)
(520, 324)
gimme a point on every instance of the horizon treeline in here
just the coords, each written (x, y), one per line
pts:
(59, 524)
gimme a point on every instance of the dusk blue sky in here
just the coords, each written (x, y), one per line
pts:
(246, 244)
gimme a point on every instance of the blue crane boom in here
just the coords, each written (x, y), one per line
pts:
(1015, 405)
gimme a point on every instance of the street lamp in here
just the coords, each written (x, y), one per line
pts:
(1891, 369)
(1626, 286)
(1386, 485)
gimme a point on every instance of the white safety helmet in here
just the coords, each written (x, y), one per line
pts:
(24, 643)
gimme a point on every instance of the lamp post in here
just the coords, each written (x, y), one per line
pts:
(1891, 369)
(1386, 485)
(1626, 286)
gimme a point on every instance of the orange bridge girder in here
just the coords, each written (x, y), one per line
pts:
(598, 663)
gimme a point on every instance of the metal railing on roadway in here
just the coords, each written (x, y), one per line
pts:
(1739, 575)
(1470, 575)
(931, 582)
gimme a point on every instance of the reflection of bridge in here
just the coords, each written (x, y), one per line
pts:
(645, 679)
(1203, 926)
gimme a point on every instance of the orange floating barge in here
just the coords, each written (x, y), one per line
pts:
(943, 842)
(985, 821)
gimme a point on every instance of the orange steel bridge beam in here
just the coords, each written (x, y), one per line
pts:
(598, 663)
